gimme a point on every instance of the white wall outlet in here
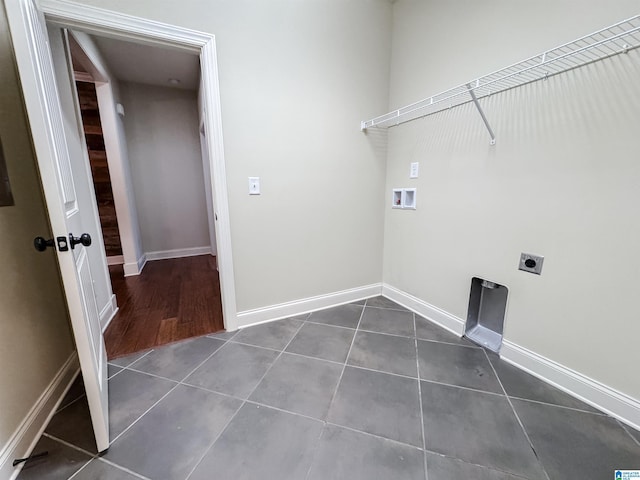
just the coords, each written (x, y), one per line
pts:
(531, 263)
(254, 185)
(413, 172)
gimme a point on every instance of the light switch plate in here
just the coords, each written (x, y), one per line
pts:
(413, 173)
(254, 185)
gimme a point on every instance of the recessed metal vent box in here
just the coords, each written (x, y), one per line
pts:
(485, 317)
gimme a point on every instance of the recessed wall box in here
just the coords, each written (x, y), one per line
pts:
(409, 198)
(485, 317)
(396, 199)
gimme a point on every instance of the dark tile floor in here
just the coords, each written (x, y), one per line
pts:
(360, 391)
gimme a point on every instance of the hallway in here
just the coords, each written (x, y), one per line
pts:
(170, 300)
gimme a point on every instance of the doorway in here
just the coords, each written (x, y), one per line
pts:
(171, 291)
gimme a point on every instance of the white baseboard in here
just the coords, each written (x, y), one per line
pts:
(178, 253)
(135, 268)
(434, 314)
(115, 260)
(24, 439)
(298, 307)
(108, 312)
(596, 394)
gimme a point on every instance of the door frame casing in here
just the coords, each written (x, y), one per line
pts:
(92, 20)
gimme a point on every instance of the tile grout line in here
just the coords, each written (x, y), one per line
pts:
(424, 439)
(134, 361)
(253, 402)
(484, 467)
(516, 415)
(369, 434)
(70, 445)
(169, 392)
(344, 366)
(626, 429)
(392, 334)
(177, 384)
(97, 458)
(143, 414)
(120, 467)
(600, 414)
(315, 451)
(71, 403)
(210, 446)
(244, 401)
(77, 472)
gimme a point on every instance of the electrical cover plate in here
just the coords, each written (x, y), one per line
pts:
(531, 263)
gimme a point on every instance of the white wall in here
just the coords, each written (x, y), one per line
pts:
(108, 93)
(296, 78)
(35, 338)
(562, 181)
(163, 142)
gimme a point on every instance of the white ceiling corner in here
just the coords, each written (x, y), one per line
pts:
(132, 62)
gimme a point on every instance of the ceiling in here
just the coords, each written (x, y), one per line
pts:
(132, 62)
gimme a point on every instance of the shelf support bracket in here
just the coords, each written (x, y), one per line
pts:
(481, 112)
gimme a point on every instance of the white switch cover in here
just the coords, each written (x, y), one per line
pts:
(254, 185)
(414, 170)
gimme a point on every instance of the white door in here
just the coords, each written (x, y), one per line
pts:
(67, 188)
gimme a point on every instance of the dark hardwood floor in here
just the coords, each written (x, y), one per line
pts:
(169, 301)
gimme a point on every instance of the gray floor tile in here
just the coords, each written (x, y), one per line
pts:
(128, 360)
(274, 335)
(177, 360)
(99, 470)
(447, 468)
(383, 302)
(73, 425)
(341, 316)
(586, 445)
(456, 365)
(359, 302)
(112, 370)
(299, 384)
(518, 383)
(345, 454)
(235, 369)
(378, 403)
(130, 395)
(478, 428)
(387, 321)
(385, 353)
(168, 441)
(59, 464)
(262, 443)
(75, 392)
(223, 335)
(322, 341)
(428, 330)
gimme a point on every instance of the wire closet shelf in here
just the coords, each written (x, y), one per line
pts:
(613, 40)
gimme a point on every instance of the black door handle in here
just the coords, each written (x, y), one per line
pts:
(41, 244)
(85, 240)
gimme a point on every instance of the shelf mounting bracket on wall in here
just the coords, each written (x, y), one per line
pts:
(613, 40)
(481, 112)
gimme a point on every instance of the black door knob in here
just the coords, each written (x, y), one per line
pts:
(84, 239)
(530, 263)
(41, 244)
